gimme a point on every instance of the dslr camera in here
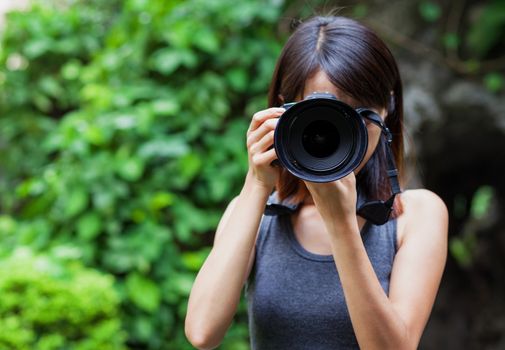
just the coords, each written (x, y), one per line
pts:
(321, 139)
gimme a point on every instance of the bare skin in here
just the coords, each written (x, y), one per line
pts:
(325, 224)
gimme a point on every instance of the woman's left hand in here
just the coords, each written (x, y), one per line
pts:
(335, 201)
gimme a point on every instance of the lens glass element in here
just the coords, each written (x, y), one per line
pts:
(320, 139)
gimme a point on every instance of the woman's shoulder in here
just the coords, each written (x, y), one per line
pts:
(422, 210)
(422, 199)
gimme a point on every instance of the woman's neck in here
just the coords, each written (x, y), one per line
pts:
(308, 200)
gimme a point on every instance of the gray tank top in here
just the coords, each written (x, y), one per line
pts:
(294, 297)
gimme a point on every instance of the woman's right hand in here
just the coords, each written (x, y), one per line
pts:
(260, 137)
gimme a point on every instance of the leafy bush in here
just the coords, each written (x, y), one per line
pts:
(123, 135)
(47, 304)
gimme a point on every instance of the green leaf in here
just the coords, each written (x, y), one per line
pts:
(206, 40)
(429, 11)
(451, 40)
(481, 202)
(360, 11)
(166, 61)
(238, 79)
(41, 102)
(7, 225)
(37, 47)
(143, 292)
(165, 107)
(95, 135)
(219, 187)
(143, 328)
(461, 251)
(494, 82)
(89, 226)
(130, 169)
(75, 202)
(161, 200)
(51, 87)
(194, 260)
(182, 283)
(124, 121)
(98, 95)
(163, 148)
(190, 165)
(71, 70)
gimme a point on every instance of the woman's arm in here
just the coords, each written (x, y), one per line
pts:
(379, 321)
(217, 288)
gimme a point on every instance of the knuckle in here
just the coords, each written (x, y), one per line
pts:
(271, 123)
(256, 159)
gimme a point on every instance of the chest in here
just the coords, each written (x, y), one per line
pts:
(293, 302)
(310, 231)
(297, 298)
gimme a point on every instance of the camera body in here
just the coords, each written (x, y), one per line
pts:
(320, 139)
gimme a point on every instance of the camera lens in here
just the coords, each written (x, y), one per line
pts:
(320, 139)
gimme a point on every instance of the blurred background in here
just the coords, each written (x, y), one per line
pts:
(122, 140)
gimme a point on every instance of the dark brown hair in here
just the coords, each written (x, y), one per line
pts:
(358, 63)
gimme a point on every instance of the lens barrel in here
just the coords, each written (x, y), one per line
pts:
(320, 139)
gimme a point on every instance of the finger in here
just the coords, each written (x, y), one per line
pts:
(266, 141)
(259, 117)
(265, 128)
(264, 158)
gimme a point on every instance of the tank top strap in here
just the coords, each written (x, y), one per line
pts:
(263, 230)
(273, 208)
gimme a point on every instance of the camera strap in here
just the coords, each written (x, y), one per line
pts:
(378, 212)
(272, 209)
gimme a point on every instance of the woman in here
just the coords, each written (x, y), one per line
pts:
(320, 276)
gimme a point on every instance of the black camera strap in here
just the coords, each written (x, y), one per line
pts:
(378, 212)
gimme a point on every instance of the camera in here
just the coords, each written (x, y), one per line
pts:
(320, 139)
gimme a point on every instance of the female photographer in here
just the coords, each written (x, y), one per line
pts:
(320, 276)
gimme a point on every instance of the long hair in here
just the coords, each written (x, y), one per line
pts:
(358, 63)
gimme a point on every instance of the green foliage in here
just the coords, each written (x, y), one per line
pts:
(48, 304)
(472, 36)
(481, 202)
(360, 10)
(463, 247)
(485, 39)
(489, 29)
(451, 41)
(430, 11)
(494, 82)
(123, 137)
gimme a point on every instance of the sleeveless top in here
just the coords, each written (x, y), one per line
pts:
(294, 297)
